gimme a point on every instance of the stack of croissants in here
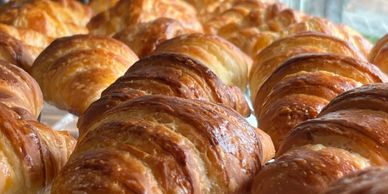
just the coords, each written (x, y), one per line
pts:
(160, 86)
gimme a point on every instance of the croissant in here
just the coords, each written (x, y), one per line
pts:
(276, 53)
(19, 91)
(162, 144)
(245, 22)
(132, 12)
(227, 61)
(303, 85)
(80, 66)
(165, 74)
(50, 18)
(15, 52)
(355, 122)
(324, 26)
(379, 54)
(145, 37)
(31, 154)
(368, 181)
(34, 41)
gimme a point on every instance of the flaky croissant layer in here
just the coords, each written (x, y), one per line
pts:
(31, 154)
(161, 144)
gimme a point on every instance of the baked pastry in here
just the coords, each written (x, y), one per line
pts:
(80, 66)
(368, 181)
(379, 54)
(54, 19)
(227, 61)
(244, 23)
(354, 122)
(162, 144)
(19, 91)
(34, 41)
(143, 38)
(31, 154)
(99, 6)
(15, 52)
(165, 74)
(132, 12)
(308, 169)
(321, 25)
(303, 85)
(310, 42)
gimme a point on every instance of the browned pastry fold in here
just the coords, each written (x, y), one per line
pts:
(31, 154)
(369, 181)
(165, 74)
(354, 122)
(227, 61)
(162, 144)
(15, 52)
(143, 38)
(99, 6)
(269, 59)
(19, 91)
(308, 169)
(379, 54)
(303, 85)
(132, 12)
(80, 66)
(54, 19)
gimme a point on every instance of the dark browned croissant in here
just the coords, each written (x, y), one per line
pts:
(162, 144)
(220, 56)
(54, 19)
(165, 74)
(379, 54)
(132, 12)
(349, 134)
(31, 154)
(73, 71)
(143, 38)
(303, 85)
(369, 181)
(19, 91)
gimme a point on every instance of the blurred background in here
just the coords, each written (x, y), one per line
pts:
(370, 17)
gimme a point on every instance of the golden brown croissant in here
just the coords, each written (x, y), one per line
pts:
(321, 25)
(308, 170)
(379, 54)
(369, 181)
(245, 22)
(19, 91)
(54, 19)
(166, 74)
(15, 52)
(227, 61)
(354, 122)
(33, 40)
(303, 85)
(143, 38)
(311, 42)
(31, 154)
(162, 144)
(132, 12)
(80, 66)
